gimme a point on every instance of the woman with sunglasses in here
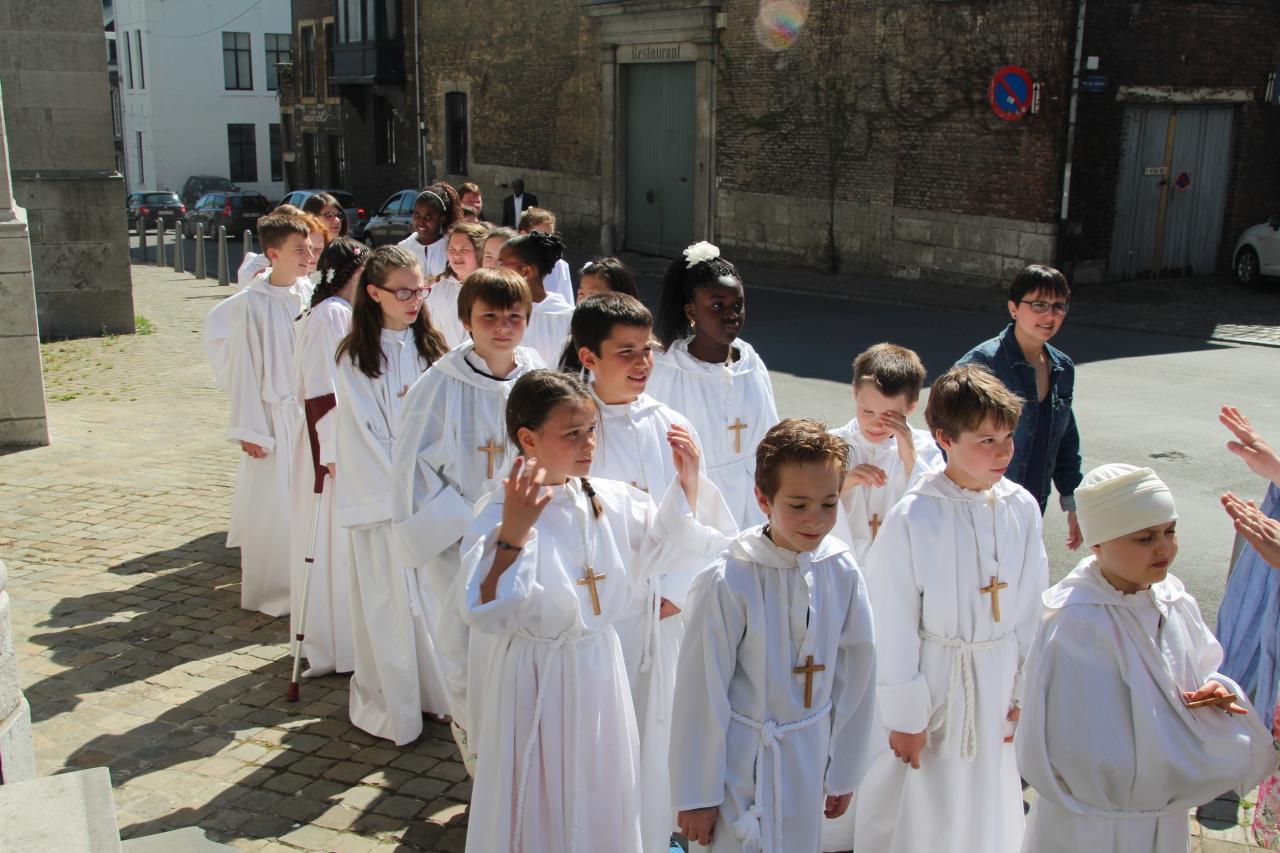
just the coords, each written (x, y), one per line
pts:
(1046, 442)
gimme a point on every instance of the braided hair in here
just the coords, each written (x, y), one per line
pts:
(537, 249)
(533, 396)
(338, 264)
(445, 198)
(676, 291)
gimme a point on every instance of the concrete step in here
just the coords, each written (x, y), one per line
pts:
(188, 840)
(70, 811)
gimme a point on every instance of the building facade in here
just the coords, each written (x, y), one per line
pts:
(198, 83)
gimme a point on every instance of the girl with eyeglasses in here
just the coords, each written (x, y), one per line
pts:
(328, 210)
(391, 343)
(1046, 441)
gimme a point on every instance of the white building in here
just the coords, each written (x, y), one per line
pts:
(198, 91)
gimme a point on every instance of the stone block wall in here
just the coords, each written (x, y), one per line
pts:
(17, 751)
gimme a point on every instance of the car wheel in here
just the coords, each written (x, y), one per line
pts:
(1246, 266)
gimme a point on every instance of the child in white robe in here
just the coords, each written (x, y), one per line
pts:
(533, 255)
(1110, 736)
(450, 452)
(558, 281)
(612, 338)
(776, 691)
(265, 417)
(465, 247)
(327, 642)
(435, 211)
(392, 342)
(605, 275)
(710, 375)
(549, 561)
(955, 578)
(886, 454)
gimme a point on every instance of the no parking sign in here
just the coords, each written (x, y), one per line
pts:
(1011, 92)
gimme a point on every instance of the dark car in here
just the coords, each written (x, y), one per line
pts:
(198, 185)
(237, 211)
(353, 212)
(392, 222)
(147, 207)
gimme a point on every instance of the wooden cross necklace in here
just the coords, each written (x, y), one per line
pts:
(589, 578)
(490, 450)
(994, 584)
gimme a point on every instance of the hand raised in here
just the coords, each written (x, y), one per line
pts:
(687, 456)
(1261, 532)
(865, 474)
(1249, 445)
(525, 497)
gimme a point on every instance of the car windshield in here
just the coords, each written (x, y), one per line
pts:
(161, 198)
(218, 184)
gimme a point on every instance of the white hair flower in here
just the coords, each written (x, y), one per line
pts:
(328, 275)
(699, 252)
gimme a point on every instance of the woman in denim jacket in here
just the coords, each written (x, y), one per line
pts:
(1046, 442)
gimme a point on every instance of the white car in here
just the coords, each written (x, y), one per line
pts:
(1257, 252)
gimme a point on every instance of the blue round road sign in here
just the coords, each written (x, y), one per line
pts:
(1010, 92)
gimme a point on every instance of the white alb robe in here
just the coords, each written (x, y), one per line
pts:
(716, 397)
(251, 266)
(755, 616)
(1115, 756)
(862, 504)
(935, 633)
(264, 411)
(327, 645)
(442, 304)
(396, 677)
(560, 281)
(217, 323)
(632, 447)
(432, 259)
(558, 750)
(548, 329)
(441, 473)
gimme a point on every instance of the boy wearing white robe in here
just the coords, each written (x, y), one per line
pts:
(1110, 737)
(265, 415)
(955, 578)
(613, 335)
(396, 678)
(549, 561)
(887, 455)
(451, 451)
(775, 695)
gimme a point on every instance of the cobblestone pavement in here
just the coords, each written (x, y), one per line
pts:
(132, 648)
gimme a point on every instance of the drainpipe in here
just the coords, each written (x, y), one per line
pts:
(417, 93)
(1071, 123)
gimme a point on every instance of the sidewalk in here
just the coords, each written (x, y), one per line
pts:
(133, 651)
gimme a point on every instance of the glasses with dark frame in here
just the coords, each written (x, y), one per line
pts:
(1039, 306)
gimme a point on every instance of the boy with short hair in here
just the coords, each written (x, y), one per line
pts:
(886, 454)
(266, 418)
(775, 685)
(559, 280)
(1127, 723)
(452, 450)
(955, 578)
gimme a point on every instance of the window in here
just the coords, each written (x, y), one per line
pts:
(277, 152)
(310, 159)
(390, 19)
(142, 172)
(142, 70)
(242, 151)
(384, 129)
(328, 53)
(337, 161)
(237, 61)
(307, 60)
(455, 132)
(128, 61)
(277, 47)
(354, 12)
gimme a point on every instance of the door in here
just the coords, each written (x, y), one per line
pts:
(1171, 191)
(659, 115)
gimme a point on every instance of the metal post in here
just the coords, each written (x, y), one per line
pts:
(142, 238)
(246, 244)
(223, 277)
(179, 259)
(160, 253)
(200, 265)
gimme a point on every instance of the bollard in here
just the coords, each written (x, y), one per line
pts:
(179, 256)
(160, 253)
(246, 243)
(200, 264)
(142, 239)
(223, 277)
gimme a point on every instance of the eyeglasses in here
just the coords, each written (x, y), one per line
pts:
(334, 215)
(1039, 306)
(404, 294)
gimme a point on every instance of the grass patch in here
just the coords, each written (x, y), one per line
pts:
(143, 325)
(65, 397)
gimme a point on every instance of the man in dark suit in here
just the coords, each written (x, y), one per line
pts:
(516, 203)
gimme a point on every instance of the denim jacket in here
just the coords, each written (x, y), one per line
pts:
(1003, 357)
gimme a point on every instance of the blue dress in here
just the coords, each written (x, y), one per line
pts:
(1248, 621)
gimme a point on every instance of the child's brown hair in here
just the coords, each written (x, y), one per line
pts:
(535, 216)
(894, 371)
(796, 441)
(965, 396)
(275, 228)
(497, 287)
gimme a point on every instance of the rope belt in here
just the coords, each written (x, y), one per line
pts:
(961, 678)
(747, 828)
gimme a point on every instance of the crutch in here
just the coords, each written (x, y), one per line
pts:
(315, 408)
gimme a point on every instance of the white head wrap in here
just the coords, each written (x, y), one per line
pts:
(1117, 499)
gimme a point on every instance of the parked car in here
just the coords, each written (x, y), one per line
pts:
(147, 207)
(237, 211)
(198, 185)
(354, 213)
(392, 222)
(1257, 252)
